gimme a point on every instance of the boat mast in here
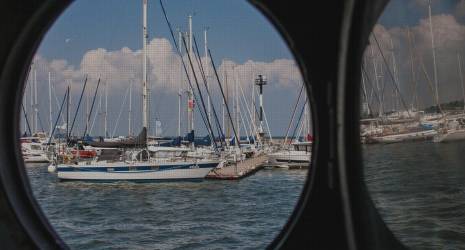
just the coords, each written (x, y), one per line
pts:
(130, 109)
(50, 102)
(144, 65)
(412, 68)
(396, 78)
(106, 110)
(380, 108)
(237, 107)
(434, 53)
(190, 93)
(223, 102)
(25, 105)
(459, 60)
(180, 83)
(34, 99)
(207, 74)
(31, 88)
(86, 117)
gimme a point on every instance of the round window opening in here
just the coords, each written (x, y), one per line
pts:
(153, 124)
(413, 121)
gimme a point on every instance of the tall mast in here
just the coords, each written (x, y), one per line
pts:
(130, 110)
(67, 113)
(50, 103)
(238, 107)
(459, 60)
(36, 107)
(254, 119)
(191, 100)
(31, 88)
(144, 65)
(380, 108)
(434, 54)
(394, 71)
(207, 74)
(223, 106)
(180, 83)
(25, 106)
(412, 68)
(106, 111)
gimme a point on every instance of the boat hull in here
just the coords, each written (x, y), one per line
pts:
(414, 136)
(458, 135)
(36, 159)
(147, 172)
(286, 158)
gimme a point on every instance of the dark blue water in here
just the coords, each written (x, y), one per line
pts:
(245, 214)
(419, 188)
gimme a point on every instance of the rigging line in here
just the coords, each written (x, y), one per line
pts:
(392, 77)
(40, 121)
(368, 81)
(293, 114)
(246, 124)
(430, 84)
(365, 94)
(59, 114)
(99, 108)
(27, 120)
(57, 103)
(120, 111)
(182, 61)
(207, 89)
(224, 98)
(202, 71)
(253, 128)
(79, 105)
(298, 121)
(92, 106)
(201, 98)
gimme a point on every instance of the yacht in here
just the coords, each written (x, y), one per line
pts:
(298, 155)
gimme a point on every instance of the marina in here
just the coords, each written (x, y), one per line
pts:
(173, 135)
(234, 147)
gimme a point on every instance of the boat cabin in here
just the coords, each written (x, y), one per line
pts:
(303, 146)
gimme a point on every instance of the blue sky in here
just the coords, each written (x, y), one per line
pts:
(400, 13)
(236, 30)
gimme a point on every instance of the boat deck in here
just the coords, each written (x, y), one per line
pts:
(239, 170)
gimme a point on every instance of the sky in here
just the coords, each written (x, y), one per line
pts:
(103, 39)
(404, 35)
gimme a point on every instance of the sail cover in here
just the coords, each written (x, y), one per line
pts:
(136, 142)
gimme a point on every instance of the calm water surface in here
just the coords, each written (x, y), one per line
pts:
(419, 188)
(245, 214)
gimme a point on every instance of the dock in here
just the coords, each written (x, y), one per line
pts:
(239, 170)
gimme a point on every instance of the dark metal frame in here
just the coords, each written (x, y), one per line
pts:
(327, 39)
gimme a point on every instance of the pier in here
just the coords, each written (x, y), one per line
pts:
(239, 170)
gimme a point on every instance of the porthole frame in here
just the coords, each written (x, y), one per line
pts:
(334, 210)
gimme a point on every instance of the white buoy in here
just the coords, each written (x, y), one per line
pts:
(52, 168)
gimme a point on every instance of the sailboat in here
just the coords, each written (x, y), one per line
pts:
(138, 162)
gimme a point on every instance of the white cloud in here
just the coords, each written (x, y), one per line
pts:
(165, 73)
(449, 38)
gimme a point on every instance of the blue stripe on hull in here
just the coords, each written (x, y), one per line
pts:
(132, 169)
(136, 181)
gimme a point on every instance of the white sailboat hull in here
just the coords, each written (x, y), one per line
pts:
(36, 158)
(139, 172)
(421, 135)
(289, 157)
(456, 135)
